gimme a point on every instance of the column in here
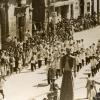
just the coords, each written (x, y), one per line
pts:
(21, 20)
(6, 17)
(69, 12)
(92, 7)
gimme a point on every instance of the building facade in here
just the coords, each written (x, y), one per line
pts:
(45, 10)
(4, 23)
(87, 7)
(58, 9)
(64, 8)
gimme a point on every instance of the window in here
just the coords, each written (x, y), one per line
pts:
(88, 7)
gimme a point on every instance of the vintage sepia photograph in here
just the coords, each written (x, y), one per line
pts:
(49, 49)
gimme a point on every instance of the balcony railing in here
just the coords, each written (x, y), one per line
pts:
(52, 1)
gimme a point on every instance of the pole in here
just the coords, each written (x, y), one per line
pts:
(33, 28)
(98, 11)
(48, 15)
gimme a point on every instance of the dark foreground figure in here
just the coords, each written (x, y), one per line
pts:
(67, 63)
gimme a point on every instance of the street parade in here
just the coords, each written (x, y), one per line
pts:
(54, 57)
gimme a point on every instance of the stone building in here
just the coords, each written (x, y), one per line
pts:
(4, 23)
(64, 8)
(54, 9)
(89, 7)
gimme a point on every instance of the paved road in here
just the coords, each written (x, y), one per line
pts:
(26, 85)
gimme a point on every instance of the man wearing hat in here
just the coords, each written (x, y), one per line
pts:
(67, 81)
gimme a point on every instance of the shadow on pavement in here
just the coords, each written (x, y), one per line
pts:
(81, 99)
(42, 73)
(41, 85)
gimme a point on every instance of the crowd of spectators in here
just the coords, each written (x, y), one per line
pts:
(50, 48)
(65, 27)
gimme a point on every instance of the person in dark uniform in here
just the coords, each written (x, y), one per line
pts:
(50, 75)
(16, 63)
(54, 90)
(66, 92)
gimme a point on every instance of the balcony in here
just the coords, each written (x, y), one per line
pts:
(52, 1)
(58, 3)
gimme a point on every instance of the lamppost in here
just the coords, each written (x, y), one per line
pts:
(20, 13)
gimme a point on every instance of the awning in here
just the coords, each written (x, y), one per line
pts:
(62, 3)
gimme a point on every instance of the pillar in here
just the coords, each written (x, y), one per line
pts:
(6, 17)
(81, 7)
(20, 20)
(4, 23)
(92, 7)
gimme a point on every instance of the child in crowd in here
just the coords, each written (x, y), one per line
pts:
(54, 89)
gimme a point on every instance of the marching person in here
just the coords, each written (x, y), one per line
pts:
(58, 70)
(93, 63)
(16, 63)
(20, 64)
(39, 57)
(46, 56)
(33, 62)
(93, 91)
(88, 85)
(50, 73)
(11, 64)
(78, 61)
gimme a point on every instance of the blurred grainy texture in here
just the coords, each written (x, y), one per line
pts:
(49, 49)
